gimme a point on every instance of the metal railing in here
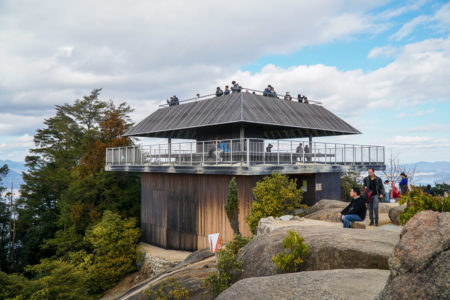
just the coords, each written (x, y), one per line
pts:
(248, 152)
(243, 90)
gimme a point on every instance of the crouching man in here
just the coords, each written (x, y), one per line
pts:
(356, 210)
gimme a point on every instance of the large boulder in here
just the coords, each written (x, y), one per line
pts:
(331, 247)
(420, 262)
(394, 213)
(326, 214)
(327, 204)
(331, 284)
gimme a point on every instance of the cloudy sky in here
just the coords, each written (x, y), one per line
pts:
(384, 66)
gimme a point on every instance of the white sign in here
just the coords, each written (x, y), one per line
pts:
(214, 242)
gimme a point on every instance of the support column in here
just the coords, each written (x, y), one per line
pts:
(169, 145)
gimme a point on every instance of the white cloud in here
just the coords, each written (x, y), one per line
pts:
(16, 147)
(409, 27)
(418, 74)
(387, 51)
(424, 112)
(439, 20)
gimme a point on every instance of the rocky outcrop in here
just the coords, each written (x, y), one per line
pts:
(326, 214)
(190, 274)
(331, 284)
(394, 213)
(331, 247)
(420, 262)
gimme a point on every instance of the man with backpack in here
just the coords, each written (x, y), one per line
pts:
(374, 191)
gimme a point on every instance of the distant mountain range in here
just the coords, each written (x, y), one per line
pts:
(431, 172)
(426, 172)
(14, 175)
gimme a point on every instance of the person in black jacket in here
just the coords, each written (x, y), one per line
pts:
(355, 211)
(375, 185)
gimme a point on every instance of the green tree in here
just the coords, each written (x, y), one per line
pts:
(349, 180)
(273, 196)
(232, 206)
(113, 241)
(66, 189)
(5, 223)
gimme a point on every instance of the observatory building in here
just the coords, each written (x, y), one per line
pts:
(241, 135)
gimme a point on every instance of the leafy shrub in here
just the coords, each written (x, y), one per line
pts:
(417, 201)
(273, 196)
(52, 279)
(295, 251)
(232, 206)
(167, 290)
(113, 241)
(229, 269)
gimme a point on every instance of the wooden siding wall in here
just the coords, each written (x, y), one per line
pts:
(178, 211)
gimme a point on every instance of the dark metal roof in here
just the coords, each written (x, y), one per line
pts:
(263, 116)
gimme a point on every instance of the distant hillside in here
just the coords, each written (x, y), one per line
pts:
(15, 173)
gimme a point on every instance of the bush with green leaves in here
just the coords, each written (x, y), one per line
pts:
(232, 206)
(113, 241)
(349, 180)
(273, 196)
(167, 290)
(295, 251)
(229, 268)
(417, 201)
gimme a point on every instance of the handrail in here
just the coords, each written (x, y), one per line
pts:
(210, 96)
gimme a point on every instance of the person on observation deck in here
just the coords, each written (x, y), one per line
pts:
(236, 88)
(288, 96)
(355, 211)
(219, 92)
(227, 90)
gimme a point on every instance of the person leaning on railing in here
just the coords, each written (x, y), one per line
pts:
(219, 92)
(288, 96)
(236, 88)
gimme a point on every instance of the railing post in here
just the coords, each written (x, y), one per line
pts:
(369, 153)
(278, 152)
(335, 153)
(326, 153)
(191, 153)
(248, 152)
(354, 154)
(345, 161)
(291, 152)
(315, 153)
(159, 153)
(384, 155)
(217, 151)
(376, 148)
(203, 153)
(231, 153)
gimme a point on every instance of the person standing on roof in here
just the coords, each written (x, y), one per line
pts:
(219, 92)
(305, 100)
(236, 88)
(288, 96)
(267, 91)
(226, 91)
(170, 102)
(300, 98)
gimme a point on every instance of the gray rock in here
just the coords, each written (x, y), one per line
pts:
(286, 218)
(196, 256)
(331, 247)
(420, 262)
(394, 213)
(347, 284)
(326, 214)
(327, 204)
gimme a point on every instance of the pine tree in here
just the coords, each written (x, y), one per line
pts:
(232, 206)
